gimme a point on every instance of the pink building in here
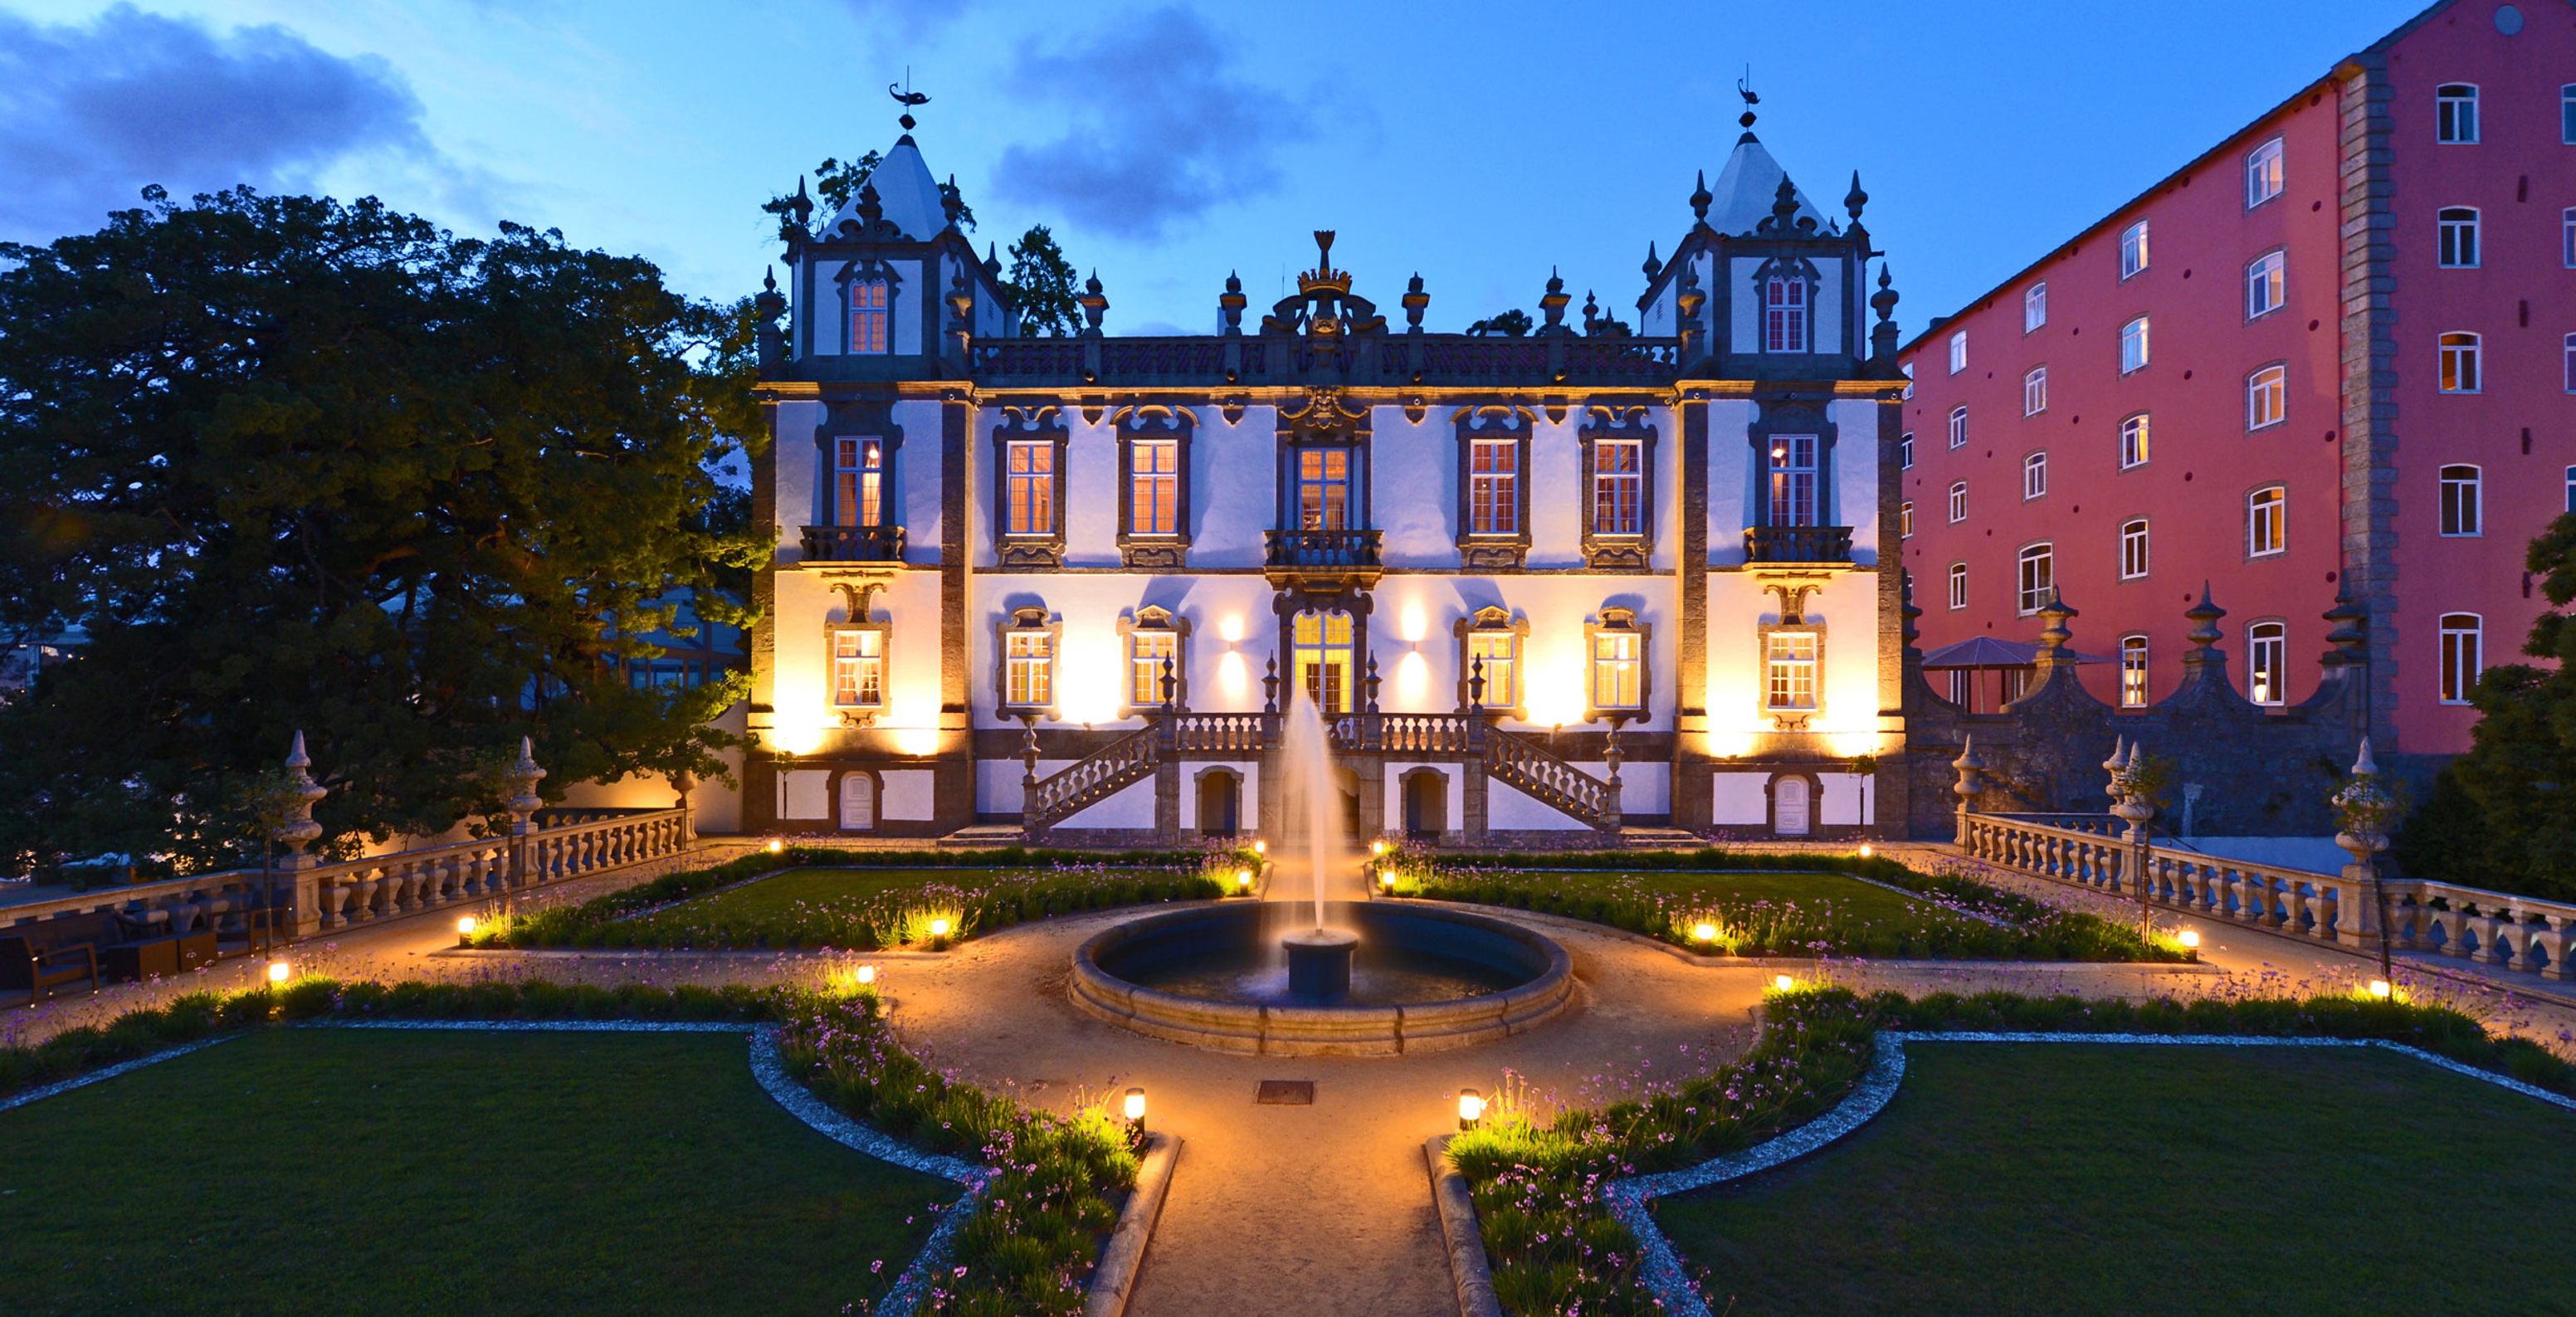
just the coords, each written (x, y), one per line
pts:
(2335, 353)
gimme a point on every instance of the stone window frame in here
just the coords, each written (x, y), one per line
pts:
(862, 418)
(1028, 618)
(869, 269)
(2277, 261)
(2272, 151)
(1326, 420)
(1490, 552)
(1198, 799)
(1025, 423)
(1792, 618)
(1153, 618)
(1493, 619)
(859, 617)
(1624, 422)
(1794, 418)
(1613, 618)
(1180, 426)
(1797, 269)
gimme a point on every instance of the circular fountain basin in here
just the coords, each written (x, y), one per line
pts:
(1423, 979)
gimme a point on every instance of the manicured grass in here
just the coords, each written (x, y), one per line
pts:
(1847, 898)
(2082, 1178)
(334, 1171)
(798, 907)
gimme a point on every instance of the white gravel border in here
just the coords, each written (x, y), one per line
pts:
(1630, 1200)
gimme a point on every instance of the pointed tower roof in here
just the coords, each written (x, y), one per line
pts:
(905, 189)
(1741, 197)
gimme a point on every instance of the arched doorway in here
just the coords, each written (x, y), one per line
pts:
(858, 802)
(1426, 804)
(1220, 803)
(1790, 815)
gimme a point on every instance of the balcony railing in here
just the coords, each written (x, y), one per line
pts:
(1797, 544)
(1325, 549)
(854, 544)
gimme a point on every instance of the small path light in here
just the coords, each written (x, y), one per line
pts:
(465, 931)
(1135, 1109)
(1378, 847)
(1471, 1108)
(2379, 988)
(775, 846)
(277, 971)
(939, 928)
(1704, 931)
(1243, 879)
(1260, 847)
(867, 976)
(1783, 982)
(1865, 851)
(2190, 939)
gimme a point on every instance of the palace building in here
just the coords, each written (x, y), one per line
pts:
(1578, 581)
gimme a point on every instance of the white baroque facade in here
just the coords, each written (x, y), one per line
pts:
(1541, 586)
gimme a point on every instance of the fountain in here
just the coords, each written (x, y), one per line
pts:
(1325, 971)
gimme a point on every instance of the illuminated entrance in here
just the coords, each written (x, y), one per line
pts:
(1320, 654)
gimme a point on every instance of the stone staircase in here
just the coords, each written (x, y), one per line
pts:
(1088, 781)
(1538, 773)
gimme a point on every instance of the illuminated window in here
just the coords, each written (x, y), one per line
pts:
(2266, 649)
(1494, 487)
(2458, 247)
(2134, 433)
(2460, 656)
(1958, 351)
(1618, 487)
(1148, 650)
(1030, 673)
(2038, 573)
(2460, 500)
(2034, 391)
(1905, 520)
(2133, 549)
(2267, 284)
(1618, 669)
(1790, 671)
(2133, 671)
(1320, 652)
(858, 482)
(2133, 345)
(2267, 396)
(2034, 307)
(1031, 487)
(2263, 173)
(1958, 501)
(1500, 653)
(1959, 427)
(2264, 526)
(1784, 314)
(868, 320)
(1791, 471)
(1323, 489)
(2460, 363)
(2455, 113)
(1958, 585)
(1154, 486)
(2034, 476)
(858, 669)
(2133, 249)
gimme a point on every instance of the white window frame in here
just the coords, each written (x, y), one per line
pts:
(1789, 663)
(1029, 487)
(1154, 487)
(2034, 306)
(2267, 521)
(2567, 114)
(1958, 351)
(859, 668)
(2567, 238)
(2571, 489)
(1905, 451)
(2034, 578)
(2463, 354)
(1905, 520)
(2134, 256)
(1958, 585)
(1028, 668)
(2463, 503)
(1959, 426)
(2133, 672)
(2463, 657)
(1784, 314)
(2568, 344)
(2137, 440)
(2455, 114)
(2135, 549)
(871, 326)
(2264, 173)
(2267, 396)
(2034, 391)
(2135, 349)
(2267, 648)
(1958, 501)
(2456, 244)
(2034, 475)
(1145, 667)
(1493, 486)
(2267, 283)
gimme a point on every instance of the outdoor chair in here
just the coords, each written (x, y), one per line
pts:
(42, 957)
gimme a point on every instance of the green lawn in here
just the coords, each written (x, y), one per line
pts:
(800, 907)
(2086, 1178)
(343, 1171)
(1846, 897)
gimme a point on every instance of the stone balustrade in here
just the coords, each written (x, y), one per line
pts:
(2491, 928)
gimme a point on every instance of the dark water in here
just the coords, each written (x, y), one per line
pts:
(1261, 977)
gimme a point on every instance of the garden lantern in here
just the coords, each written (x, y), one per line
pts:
(1378, 847)
(277, 971)
(1865, 851)
(1471, 1108)
(867, 976)
(1783, 982)
(775, 846)
(1243, 879)
(1704, 932)
(1135, 1109)
(465, 930)
(2190, 940)
(2379, 988)
(939, 928)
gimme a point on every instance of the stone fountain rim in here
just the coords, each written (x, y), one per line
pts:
(1268, 1030)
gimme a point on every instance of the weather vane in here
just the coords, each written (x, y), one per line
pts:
(907, 98)
(1744, 88)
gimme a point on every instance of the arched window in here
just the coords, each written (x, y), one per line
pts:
(2265, 524)
(2133, 249)
(2458, 246)
(2263, 173)
(2034, 391)
(2267, 397)
(2134, 433)
(1958, 500)
(2455, 113)
(2034, 307)
(2460, 500)
(2267, 284)
(2460, 656)
(2038, 578)
(1958, 585)
(1784, 314)
(2133, 671)
(2133, 345)
(2266, 655)
(2133, 549)
(868, 317)
(2460, 362)
(1905, 447)
(1959, 427)
(2034, 476)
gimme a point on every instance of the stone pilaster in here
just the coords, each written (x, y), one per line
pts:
(2369, 364)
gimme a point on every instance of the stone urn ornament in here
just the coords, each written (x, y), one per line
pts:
(2365, 809)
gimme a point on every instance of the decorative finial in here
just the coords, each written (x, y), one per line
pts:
(2204, 615)
(1654, 263)
(1784, 203)
(1699, 199)
(1323, 251)
(993, 260)
(1233, 282)
(1555, 283)
(1591, 313)
(871, 206)
(907, 99)
(952, 201)
(1856, 198)
(2365, 766)
(1885, 298)
(1416, 302)
(769, 279)
(802, 203)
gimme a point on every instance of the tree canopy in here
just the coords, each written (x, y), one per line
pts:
(1041, 285)
(1514, 323)
(295, 464)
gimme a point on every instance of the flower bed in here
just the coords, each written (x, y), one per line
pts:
(1538, 1177)
(941, 898)
(1684, 898)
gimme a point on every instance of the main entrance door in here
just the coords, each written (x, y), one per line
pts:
(1789, 806)
(858, 802)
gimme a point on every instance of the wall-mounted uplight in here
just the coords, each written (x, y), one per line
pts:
(1471, 1108)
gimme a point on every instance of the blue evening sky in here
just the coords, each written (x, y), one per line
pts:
(1167, 144)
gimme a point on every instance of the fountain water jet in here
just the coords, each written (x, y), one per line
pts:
(1319, 961)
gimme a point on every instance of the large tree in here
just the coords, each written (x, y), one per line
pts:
(295, 464)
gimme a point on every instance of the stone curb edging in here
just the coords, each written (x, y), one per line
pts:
(110, 1072)
(1459, 1234)
(1629, 1200)
(1124, 1259)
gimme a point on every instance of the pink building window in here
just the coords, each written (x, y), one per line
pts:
(2569, 343)
(2461, 661)
(1958, 585)
(2266, 655)
(2455, 113)
(2133, 672)
(2133, 549)
(2267, 393)
(2263, 173)
(2038, 565)
(868, 317)
(1784, 306)
(2034, 391)
(2459, 238)
(2134, 433)
(2460, 362)
(1959, 501)
(1958, 427)
(2034, 307)
(2133, 345)
(2266, 522)
(2461, 500)
(2266, 285)
(2133, 249)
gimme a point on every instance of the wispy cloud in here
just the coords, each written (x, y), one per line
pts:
(90, 113)
(908, 18)
(1160, 127)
